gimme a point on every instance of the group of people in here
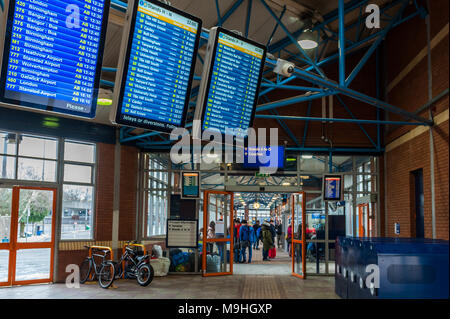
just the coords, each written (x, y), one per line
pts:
(248, 237)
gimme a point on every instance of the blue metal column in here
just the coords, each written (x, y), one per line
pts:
(341, 43)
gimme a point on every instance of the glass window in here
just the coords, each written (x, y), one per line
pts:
(38, 147)
(78, 152)
(77, 173)
(78, 201)
(77, 217)
(8, 143)
(36, 170)
(7, 167)
(156, 195)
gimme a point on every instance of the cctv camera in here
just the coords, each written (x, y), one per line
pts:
(284, 68)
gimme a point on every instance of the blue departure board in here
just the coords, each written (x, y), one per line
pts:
(53, 55)
(233, 83)
(158, 67)
(332, 187)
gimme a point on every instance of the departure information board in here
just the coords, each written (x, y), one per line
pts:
(233, 83)
(332, 187)
(190, 184)
(53, 55)
(158, 67)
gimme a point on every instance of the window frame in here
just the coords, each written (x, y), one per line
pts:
(93, 184)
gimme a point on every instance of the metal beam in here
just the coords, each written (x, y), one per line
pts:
(294, 100)
(336, 88)
(293, 40)
(249, 14)
(374, 45)
(326, 119)
(341, 43)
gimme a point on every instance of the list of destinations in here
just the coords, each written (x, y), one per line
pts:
(54, 53)
(233, 85)
(157, 82)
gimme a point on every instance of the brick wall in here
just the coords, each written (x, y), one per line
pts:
(402, 46)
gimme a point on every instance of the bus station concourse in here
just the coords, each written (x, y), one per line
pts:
(227, 149)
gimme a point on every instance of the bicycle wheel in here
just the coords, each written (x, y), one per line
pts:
(85, 270)
(106, 275)
(145, 275)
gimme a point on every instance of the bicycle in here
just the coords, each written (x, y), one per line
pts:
(103, 271)
(138, 267)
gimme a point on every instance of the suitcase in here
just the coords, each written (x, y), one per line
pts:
(272, 253)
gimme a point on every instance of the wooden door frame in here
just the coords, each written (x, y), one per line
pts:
(297, 241)
(217, 240)
(13, 246)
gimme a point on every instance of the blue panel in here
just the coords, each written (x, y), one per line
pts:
(159, 67)
(409, 267)
(53, 55)
(256, 157)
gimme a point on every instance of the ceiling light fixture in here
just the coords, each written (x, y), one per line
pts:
(307, 40)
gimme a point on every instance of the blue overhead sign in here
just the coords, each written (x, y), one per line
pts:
(53, 55)
(256, 157)
(158, 67)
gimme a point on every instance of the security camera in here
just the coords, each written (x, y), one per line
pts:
(284, 68)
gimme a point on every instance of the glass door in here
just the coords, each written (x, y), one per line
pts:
(6, 195)
(217, 233)
(31, 245)
(298, 231)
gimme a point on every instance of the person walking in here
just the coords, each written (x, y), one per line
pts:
(289, 238)
(267, 240)
(279, 230)
(237, 246)
(256, 227)
(211, 234)
(246, 238)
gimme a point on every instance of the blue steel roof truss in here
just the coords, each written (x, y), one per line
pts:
(309, 70)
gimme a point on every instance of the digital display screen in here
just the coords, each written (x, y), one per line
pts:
(332, 187)
(233, 84)
(159, 67)
(53, 55)
(190, 185)
(256, 157)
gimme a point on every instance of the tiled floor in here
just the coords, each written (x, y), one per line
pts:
(258, 280)
(187, 287)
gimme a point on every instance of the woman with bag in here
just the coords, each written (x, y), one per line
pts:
(266, 239)
(289, 239)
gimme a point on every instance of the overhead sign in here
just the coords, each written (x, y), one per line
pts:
(52, 55)
(190, 185)
(256, 157)
(182, 233)
(332, 187)
(230, 83)
(157, 64)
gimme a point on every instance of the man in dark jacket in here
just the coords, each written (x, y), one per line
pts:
(246, 237)
(279, 229)
(255, 228)
(272, 230)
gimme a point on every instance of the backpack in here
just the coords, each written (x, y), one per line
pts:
(259, 234)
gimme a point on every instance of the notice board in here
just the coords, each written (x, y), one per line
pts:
(182, 233)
